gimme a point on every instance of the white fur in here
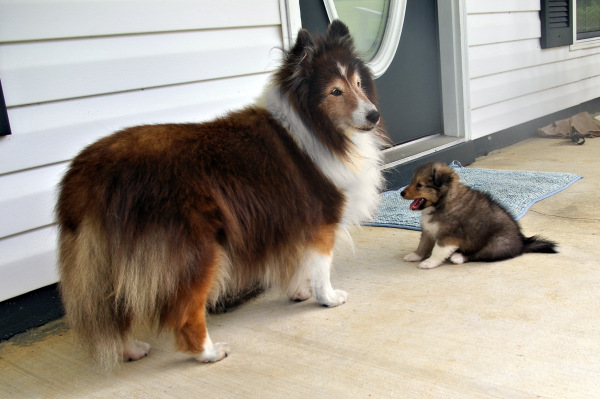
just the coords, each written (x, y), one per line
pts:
(134, 350)
(299, 288)
(359, 116)
(361, 189)
(457, 258)
(413, 257)
(342, 69)
(438, 255)
(214, 352)
(427, 225)
(320, 274)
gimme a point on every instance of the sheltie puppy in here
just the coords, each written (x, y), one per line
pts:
(461, 223)
(156, 222)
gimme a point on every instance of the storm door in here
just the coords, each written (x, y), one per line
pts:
(400, 41)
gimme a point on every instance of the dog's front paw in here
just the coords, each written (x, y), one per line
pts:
(333, 298)
(412, 257)
(429, 264)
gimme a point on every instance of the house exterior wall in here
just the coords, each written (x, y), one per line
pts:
(75, 71)
(512, 80)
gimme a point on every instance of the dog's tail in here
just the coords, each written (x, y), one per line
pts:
(86, 293)
(538, 244)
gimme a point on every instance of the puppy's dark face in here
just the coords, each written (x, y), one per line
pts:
(430, 182)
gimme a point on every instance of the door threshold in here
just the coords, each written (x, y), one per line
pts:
(410, 151)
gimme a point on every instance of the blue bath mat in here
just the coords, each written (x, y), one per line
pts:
(515, 190)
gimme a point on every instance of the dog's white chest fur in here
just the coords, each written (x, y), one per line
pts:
(364, 181)
(427, 224)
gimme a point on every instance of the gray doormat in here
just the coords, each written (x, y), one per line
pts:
(515, 190)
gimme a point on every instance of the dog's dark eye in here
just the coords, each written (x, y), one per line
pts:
(419, 185)
(358, 83)
(336, 92)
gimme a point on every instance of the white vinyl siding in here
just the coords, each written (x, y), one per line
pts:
(512, 80)
(34, 20)
(106, 65)
(74, 71)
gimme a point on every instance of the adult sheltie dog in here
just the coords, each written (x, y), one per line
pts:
(461, 223)
(155, 222)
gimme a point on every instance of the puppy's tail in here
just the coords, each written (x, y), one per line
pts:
(538, 244)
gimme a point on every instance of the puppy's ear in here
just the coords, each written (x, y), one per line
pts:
(440, 177)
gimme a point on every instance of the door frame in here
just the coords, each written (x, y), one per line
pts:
(454, 68)
(452, 23)
(391, 38)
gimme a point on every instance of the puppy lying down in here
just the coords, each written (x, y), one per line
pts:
(463, 224)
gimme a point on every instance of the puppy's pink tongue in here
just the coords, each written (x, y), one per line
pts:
(416, 204)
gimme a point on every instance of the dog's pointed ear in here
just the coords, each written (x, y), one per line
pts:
(303, 51)
(440, 177)
(337, 30)
(303, 40)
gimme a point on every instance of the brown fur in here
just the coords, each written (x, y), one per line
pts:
(154, 221)
(462, 223)
(157, 221)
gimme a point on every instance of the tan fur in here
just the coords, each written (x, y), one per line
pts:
(340, 108)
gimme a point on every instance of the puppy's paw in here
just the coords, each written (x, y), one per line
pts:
(412, 257)
(457, 258)
(214, 353)
(429, 264)
(135, 351)
(333, 299)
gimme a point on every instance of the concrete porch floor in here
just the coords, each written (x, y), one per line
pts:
(522, 328)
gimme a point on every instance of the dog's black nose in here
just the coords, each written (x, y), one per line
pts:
(403, 193)
(373, 116)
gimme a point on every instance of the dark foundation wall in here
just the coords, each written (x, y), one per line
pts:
(510, 136)
(29, 310)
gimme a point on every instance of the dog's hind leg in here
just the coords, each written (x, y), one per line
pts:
(213, 352)
(134, 350)
(438, 255)
(299, 288)
(500, 248)
(186, 312)
(457, 258)
(320, 257)
(190, 330)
